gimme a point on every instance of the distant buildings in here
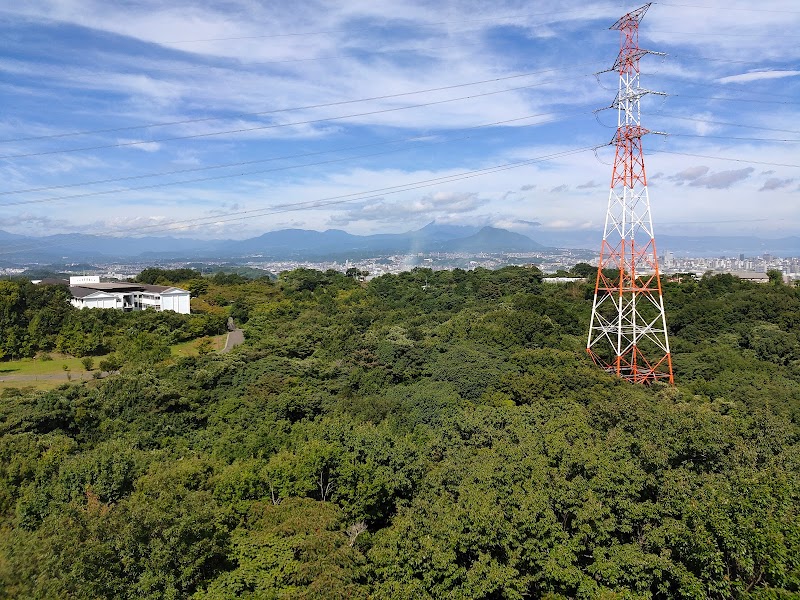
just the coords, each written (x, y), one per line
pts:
(750, 268)
(89, 292)
(754, 276)
(563, 279)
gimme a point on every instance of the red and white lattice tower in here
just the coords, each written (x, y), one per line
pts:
(628, 332)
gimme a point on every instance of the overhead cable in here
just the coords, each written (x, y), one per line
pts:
(741, 160)
(289, 109)
(272, 125)
(728, 137)
(242, 174)
(329, 201)
(710, 122)
(350, 31)
(285, 157)
(727, 8)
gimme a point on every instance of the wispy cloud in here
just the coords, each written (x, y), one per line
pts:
(774, 183)
(690, 174)
(118, 64)
(723, 179)
(142, 145)
(588, 185)
(437, 205)
(757, 76)
(38, 224)
(566, 224)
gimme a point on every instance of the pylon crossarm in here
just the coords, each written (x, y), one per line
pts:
(628, 59)
(636, 94)
(632, 18)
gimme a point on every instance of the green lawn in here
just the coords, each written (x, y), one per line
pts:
(36, 366)
(43, 374)
(28, 386)
(48, 374)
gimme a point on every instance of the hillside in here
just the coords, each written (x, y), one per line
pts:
(426, 435)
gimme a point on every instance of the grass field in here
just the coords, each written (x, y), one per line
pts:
(43, 374)
(190, 348)
(48, 374)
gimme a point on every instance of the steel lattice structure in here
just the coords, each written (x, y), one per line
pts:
(628, 331)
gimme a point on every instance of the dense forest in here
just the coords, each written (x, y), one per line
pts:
(425, 435)
(38, 319)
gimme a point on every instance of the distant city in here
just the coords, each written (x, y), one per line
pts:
(550, 261)
(789, 266)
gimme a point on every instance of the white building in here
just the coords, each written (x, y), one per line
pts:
(82, 279)
(562, 279)
(754, 276)
(89, 292)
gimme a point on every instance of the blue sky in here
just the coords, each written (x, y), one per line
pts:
(274, 90)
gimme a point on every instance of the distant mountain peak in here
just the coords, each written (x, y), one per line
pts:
(445, 230)
(493, 239)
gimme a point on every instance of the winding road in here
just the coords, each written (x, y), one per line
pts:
(234, 338)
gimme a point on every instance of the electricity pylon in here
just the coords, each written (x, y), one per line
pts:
(628, 331)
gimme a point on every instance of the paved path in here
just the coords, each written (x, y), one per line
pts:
(234, 338)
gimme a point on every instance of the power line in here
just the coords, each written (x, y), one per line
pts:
(274, 158)
(729, 8)
(349, 31)
(329, 201)
(726, 137)
(714, 59)
(741, 160)
(700, 34)
(242, 174)
(729, 99)
(715, 222)
(285, 168)
(357, 52)
(198, 180)
(234, 175)
(371, 194)
(425, 184)
(725, 87)
(271, 126)
(433, 24)
(728, 123)
(718, 98)
(360, 51)
(289, 109)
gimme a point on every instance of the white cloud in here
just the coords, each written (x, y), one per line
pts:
(774, 183)
(567, 224)
(690, 174)
(732, 30)
(436, 205)
(723, 179)
(757, 75)
(153, 75)
(142, 145)
(588, 185)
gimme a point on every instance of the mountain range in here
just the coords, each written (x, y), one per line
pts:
(277, 245)
(288, 244)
